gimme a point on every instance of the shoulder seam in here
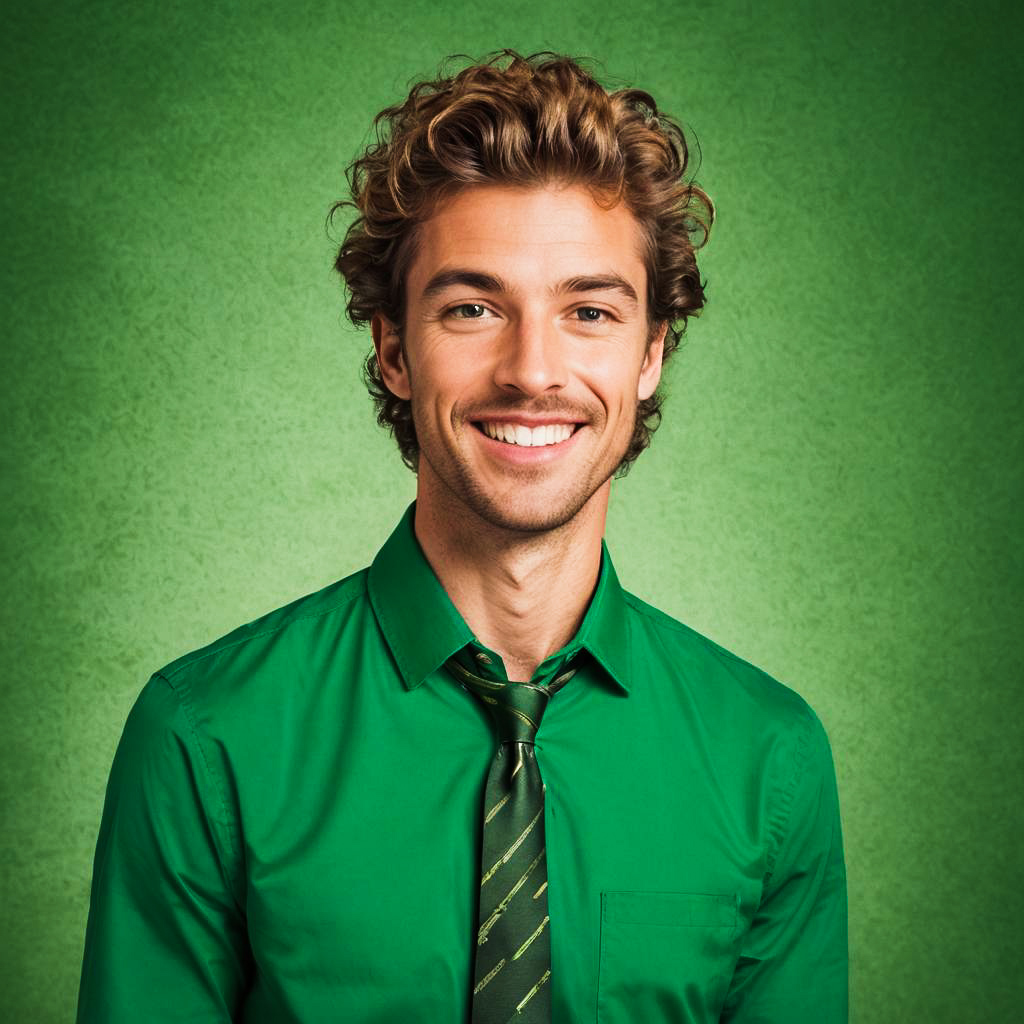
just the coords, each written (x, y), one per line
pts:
(203, 654)
(783, 817)
(661, 618)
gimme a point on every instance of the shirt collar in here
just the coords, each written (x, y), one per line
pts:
(423, 628)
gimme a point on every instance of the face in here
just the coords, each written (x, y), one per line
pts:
(525, 351)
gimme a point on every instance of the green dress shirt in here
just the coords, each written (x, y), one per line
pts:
(292, 823)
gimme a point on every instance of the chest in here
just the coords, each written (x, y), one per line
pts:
(362, 889)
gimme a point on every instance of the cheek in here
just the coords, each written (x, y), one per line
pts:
(438, 388)
(609, 369)
(615, 388)
(448, 368)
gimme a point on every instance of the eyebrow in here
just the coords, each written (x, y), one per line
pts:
(484, 282)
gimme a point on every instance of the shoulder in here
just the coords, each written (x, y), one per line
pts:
(762, 727)
(272, 643)
(724, 684)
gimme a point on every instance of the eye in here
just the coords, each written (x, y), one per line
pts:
(603, 314)
(467, 305)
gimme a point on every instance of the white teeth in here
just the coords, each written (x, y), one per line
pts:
(513, 433)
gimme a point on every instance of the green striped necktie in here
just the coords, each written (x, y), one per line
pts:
(512, 964)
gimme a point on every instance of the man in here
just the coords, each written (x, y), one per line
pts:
(478, 781)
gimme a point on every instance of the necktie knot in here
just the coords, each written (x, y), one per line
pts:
(516, 708)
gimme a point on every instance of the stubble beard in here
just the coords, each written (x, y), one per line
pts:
(514, 516)
(465, 489)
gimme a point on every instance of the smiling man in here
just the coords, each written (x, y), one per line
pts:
(527, 349)
(478, 780)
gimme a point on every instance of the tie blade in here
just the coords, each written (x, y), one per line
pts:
(512, 966)
(513, 939)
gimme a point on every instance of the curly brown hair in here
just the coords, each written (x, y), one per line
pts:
(537, 120)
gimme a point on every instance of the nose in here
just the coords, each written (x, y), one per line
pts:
(532, 358)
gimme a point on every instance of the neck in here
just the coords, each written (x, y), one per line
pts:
(523, 594)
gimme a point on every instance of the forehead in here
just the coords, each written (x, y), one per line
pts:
(530, 237)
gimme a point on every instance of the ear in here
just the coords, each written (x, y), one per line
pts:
(390, 356)
(650, 372)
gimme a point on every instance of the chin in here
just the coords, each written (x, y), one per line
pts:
(525, 513)
(530, 506)
(527, 520)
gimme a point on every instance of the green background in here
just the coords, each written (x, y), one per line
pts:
(834, 494)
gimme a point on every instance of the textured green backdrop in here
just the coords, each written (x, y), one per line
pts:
(834, 493)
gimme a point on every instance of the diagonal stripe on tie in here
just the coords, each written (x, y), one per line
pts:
(519, 840)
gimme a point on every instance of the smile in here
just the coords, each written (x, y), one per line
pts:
(528, 437)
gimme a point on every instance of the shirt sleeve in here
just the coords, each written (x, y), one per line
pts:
(793, 963)
(166, 938)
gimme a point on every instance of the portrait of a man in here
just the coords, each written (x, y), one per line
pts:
(479, 779)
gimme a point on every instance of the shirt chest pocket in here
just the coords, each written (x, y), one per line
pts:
(666, 957)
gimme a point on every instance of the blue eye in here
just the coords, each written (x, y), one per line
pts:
(591, 309)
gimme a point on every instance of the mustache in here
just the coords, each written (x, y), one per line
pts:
(494, 410)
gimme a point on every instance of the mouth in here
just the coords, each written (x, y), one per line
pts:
(544, 436)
